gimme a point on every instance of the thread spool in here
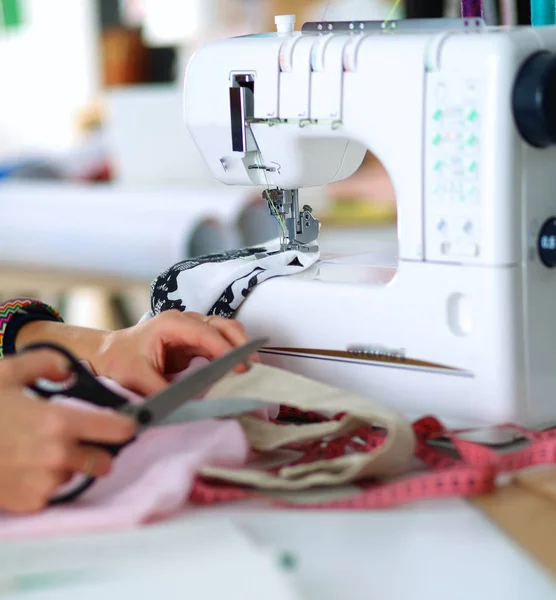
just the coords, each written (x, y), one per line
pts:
(209, 236)
(285, 24)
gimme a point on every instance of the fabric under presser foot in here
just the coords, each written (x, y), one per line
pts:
(217, 284)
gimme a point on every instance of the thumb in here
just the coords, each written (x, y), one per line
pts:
(146, 380)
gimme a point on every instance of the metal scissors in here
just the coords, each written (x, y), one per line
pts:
(158, 409)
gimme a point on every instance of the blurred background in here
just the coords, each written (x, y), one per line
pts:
(101, 187)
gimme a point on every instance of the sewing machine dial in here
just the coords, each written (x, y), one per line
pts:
(547, 243)
(534, 100)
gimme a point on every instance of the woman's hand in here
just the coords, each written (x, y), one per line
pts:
(39, 441)
(142, 357)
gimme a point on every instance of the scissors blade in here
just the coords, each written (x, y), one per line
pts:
(218, 408)
(172, 397)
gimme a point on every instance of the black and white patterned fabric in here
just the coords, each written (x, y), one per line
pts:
(217, 284)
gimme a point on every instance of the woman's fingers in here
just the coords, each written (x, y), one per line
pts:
(76, 424)
(231, 330)
(29, 491)
(41, 443)
(147, 381)
(24, 369)
(73, 457)
(183, 330)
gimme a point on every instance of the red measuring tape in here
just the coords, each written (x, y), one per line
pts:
(471, 472)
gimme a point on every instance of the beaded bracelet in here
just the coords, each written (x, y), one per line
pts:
(15, 313)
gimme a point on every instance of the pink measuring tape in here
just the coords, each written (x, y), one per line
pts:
(472, 473)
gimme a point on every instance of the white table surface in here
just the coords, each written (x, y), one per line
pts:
(444, 550)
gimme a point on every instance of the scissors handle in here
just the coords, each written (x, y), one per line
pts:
(81, 483)
(84, 386)
(79, 488)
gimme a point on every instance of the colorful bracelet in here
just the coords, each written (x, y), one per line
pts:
(15, 313)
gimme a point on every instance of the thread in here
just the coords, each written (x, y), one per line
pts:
(325, 10)
(542, 13)
(490, 12)
(274, 211)
(391, 14)
(472, 9)
(285, 24)
(508, 12)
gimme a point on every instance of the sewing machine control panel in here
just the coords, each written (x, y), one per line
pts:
(452, 169)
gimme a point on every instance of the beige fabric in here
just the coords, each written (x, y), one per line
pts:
(277, 386)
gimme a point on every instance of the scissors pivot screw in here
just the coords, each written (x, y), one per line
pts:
(144, 416)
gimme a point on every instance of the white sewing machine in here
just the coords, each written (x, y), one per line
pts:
(462, 322)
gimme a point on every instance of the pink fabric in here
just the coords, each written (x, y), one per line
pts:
(151, 479)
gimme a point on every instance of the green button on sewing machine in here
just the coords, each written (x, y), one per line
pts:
(472, 192)
(10, 14)
(472, 140)
(438, 114)
(437, 139)
(438, 165)
(472, 116)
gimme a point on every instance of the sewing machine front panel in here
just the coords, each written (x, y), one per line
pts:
(428, 339)
(294, 79)
(211, 73)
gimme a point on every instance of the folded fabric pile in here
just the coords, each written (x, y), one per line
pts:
(327, 448)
